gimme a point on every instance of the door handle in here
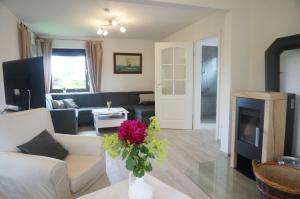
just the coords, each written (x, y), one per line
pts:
(257, 132)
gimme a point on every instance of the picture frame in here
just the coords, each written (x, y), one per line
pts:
(128, 63)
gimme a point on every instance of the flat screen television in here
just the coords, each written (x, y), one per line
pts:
(24, 83)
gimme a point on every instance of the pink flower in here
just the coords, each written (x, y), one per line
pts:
(133, 131)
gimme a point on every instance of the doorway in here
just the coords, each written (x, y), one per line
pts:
(206, 82)
(289, 83)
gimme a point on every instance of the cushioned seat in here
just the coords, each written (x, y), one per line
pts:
(36, 177)
(82, 170)
(88, 101)
(144, 112)
(85, 116)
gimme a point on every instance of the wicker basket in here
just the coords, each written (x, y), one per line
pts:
(277, 181)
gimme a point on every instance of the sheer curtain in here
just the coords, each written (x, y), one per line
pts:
(44, 48)
(94, 53)
(24, 41)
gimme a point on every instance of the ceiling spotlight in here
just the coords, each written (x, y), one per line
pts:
(105, 33)
(100, 31)
(114, 23)
(122, 29)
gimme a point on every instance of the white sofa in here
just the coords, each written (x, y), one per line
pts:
(25, 176)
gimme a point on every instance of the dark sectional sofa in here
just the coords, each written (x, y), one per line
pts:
(67, 120)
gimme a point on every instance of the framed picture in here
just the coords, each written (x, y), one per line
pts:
(127, 63)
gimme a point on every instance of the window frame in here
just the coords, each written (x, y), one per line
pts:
(71, 52)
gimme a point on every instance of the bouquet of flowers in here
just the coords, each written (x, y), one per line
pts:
(137, 145)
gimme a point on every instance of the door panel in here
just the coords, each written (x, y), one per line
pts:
(174, 84)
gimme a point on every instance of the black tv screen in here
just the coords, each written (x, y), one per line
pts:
(24, 83)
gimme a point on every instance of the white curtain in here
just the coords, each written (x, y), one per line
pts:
(44, 48)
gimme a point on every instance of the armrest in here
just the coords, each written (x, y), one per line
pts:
(64, 120)
(81, 145)
(32, 176)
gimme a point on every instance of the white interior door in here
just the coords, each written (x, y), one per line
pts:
(174, 84)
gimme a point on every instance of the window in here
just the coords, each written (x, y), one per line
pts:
(69, 70)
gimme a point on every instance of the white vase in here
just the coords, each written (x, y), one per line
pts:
(139, 189)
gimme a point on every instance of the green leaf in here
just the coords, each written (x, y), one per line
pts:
(124, 154)
(138, 172)
(134, 151)
(148, 167)
(130, 163)
(144, 149)
(151, 155)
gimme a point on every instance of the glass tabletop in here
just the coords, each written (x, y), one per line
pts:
(219, 181)
(110, 111)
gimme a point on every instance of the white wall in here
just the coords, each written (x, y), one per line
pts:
(9, 46)
(249, 27)
(207, 27)
(270, 19)
(121, 82)
(289, 82)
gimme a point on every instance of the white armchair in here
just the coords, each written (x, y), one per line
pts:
(25, 176)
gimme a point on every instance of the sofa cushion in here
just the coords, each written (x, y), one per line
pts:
(146, 98)
(134, 97)
(44, 145)
(57, 104)
(147, 103)
(82, 169)
(70, 103)
(118, 98)
(81, 99)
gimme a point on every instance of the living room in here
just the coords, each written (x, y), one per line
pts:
(219, 77)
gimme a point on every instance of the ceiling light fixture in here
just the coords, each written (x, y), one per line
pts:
(114, 23)
(100, 31)
(111, 22)
(105, 33)
(122, 29)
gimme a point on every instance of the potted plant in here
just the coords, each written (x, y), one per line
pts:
(137, 145)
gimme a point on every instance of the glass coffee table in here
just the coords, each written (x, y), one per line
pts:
(218, 180)
(108, 118)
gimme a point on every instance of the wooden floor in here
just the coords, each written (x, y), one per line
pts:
(185, 148)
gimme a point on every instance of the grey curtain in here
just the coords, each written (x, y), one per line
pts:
(44, 48)
(24, 41)
(94, 53)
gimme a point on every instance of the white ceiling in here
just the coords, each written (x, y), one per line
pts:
(80, 18)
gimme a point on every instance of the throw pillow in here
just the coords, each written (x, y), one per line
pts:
(57, 104)
(44, 145)
(70, 103)
(146, 98)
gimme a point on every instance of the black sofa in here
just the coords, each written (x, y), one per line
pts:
(67, 120)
